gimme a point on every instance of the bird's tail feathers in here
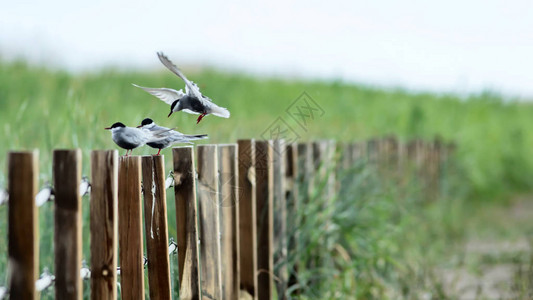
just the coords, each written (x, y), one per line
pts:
(196, 137)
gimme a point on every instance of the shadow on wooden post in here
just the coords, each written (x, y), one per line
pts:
(208, 205)
(23, 230)
(104, 224)
(229, 220)
(130, 228)
(186, 222)
(265, 219)
(67, 229)
(247, 217)
(155, 226)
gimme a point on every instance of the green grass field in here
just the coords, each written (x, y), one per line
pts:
(395, 243)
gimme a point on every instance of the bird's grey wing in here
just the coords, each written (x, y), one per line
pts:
(162, 133)
(134, 136)
(165, 94)
(159, 128)
(190, 87)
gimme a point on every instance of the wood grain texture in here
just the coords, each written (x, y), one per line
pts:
(247, 217)
(186, 222)
(155, 226)
(130, 228)
(265, 218)
(280, 216)
(229, 220)
(67, 218)
(209, 212)
(104, 224)
(23, 231)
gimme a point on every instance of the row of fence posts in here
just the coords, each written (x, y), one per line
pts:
(232, 214)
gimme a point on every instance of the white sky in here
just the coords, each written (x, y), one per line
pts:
(454, 45)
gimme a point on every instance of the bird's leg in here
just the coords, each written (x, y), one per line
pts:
(158, 152)
(200, 118)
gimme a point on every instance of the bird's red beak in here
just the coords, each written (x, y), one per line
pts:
(170, 114)
(107, 128)
(139, 126)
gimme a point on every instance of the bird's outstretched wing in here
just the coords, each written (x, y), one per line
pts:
(218, 111)
(167, 95)
(190, 87)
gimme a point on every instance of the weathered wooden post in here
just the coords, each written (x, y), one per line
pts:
(186, 222)
(265, 219)
(23, 230)
(305, 171)
(211, 281)
(104, 224)
(292, 196)
(247, 217)
(229, 220)
(280, 216)
(130, 228)
(155, 226)
(67, 229)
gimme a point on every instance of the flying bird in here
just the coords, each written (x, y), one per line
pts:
(192, 101)
(171, 136)
(130, 138)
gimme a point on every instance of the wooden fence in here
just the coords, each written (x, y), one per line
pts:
(234, 203)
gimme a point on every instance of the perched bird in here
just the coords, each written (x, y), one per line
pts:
(130, 138)
(172, 136)
(192, 101)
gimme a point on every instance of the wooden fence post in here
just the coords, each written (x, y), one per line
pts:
(130, 228)
(323, 164)
(280, 216)
(186, 222)
(393, 155)
(305, 171)
(305, 177)
(247, 217)
(104, 224)
(331, 160)
(264, 213)
(67, 229)
(372, 152)
(23, 230)
(155, 226)
(292, 190)
(229, 220)
(209, 221)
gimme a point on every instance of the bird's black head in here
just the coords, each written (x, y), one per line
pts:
(147, 121)
(116, 125)
(173, 106)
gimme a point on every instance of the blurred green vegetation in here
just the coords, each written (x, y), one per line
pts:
(383, 240)
(46, 109)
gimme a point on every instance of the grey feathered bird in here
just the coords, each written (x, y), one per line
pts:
(192, 101)
(130, 138)
(172, 136)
